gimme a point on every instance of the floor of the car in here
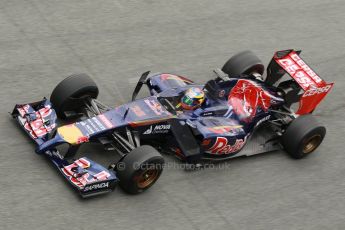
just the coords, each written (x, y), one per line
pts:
(263, 140)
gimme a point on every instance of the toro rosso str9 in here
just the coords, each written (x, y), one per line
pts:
(238, 112)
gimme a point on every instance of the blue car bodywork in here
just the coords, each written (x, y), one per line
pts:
(233, 110)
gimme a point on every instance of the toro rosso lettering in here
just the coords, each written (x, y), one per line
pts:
(222, 147)
(138, 111)
(155, 107)
(105, 121)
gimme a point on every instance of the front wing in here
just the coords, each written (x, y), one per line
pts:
(38, 120)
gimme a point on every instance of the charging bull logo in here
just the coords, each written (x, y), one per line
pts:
(222, 147)
(245, 97)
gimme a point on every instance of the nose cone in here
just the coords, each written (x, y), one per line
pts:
(72, 134)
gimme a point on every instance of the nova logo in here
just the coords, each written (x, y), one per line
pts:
(157, 129)
(149, 131)
(162, 127)
(96, 186)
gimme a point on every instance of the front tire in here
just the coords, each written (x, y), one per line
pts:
(69, 93)
(140, 169)
(303, 136)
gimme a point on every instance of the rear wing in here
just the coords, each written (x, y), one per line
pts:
(314, 87)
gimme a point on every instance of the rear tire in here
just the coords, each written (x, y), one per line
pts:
(303, 136)
(139, 169)
(245, 62)
(69, 93)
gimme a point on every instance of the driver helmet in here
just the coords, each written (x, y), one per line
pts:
(192, 98)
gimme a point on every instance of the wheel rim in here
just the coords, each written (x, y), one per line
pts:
(312, 143)
(147, 178)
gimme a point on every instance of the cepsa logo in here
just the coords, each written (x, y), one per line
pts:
(96, 186)
(298, 69)
(221, 146)
(313, 91)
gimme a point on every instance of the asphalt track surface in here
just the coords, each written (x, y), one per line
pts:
(43, 41)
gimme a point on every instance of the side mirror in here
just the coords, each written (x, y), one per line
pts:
(142, 80)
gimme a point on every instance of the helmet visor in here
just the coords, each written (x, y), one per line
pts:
(187, 100)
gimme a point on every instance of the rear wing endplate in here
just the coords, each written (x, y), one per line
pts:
(314, 87)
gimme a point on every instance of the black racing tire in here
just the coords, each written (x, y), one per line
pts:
(67, 94)
(245, 62)
(139, 169)
(303, 136)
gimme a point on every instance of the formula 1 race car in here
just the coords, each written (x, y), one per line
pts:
(236, 113)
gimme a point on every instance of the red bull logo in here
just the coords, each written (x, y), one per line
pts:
(245, 97)
(221, 146)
